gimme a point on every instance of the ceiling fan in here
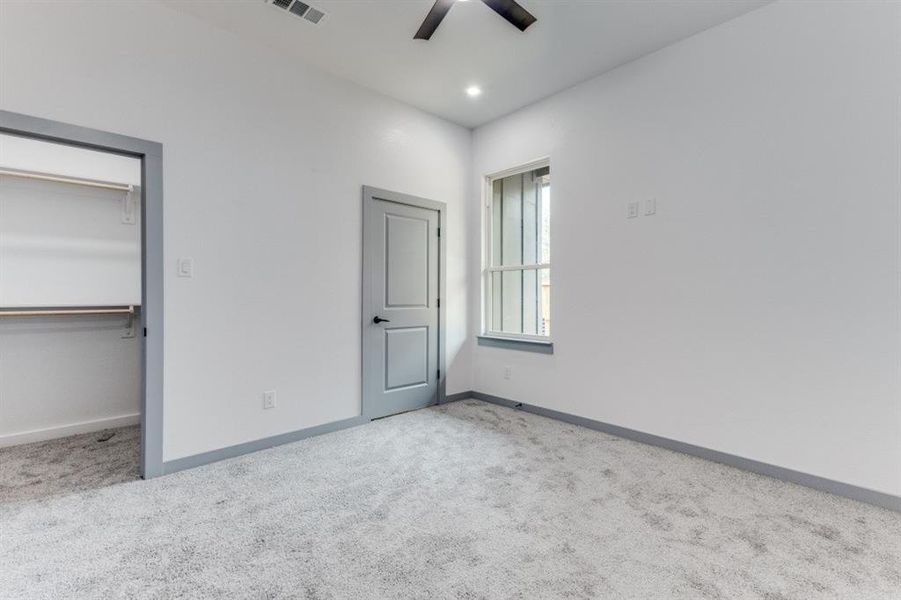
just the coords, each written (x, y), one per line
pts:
(510, 10)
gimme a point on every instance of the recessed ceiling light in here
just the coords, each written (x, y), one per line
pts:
(473, 91)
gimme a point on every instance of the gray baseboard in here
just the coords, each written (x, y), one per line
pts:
(822, 484)
(205, 458)
(197, 460)
(457, 396)
(831, 486)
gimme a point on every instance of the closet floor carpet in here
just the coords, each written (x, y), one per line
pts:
(71, 464)
(465, 500)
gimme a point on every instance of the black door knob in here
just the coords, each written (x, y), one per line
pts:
(378, 320)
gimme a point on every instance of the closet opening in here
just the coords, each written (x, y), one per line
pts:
(80, 283)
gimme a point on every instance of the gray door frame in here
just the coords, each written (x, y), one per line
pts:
(151, 156)
(372, 193)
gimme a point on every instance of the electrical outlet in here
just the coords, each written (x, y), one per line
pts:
(508, 372)
(269, 400)
(632, 210)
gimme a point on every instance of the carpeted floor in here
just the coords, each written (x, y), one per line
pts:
(467, 500)
(79, 462)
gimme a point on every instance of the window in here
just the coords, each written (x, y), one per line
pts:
(518, 273)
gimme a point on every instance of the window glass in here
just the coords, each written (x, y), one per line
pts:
(518, 274)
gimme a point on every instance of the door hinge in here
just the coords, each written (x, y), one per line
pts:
(439, 302)
(439, 373)
(439, 232)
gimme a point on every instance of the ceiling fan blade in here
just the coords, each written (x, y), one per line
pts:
(513, 12)
(433, 19)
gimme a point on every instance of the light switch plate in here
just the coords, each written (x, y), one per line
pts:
(632, 210)
(186, 267)
(650, 206)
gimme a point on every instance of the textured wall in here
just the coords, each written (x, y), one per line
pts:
(263, 163)
(757, 312)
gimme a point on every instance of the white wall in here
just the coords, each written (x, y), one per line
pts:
(66, 245)
(264, 160)
(63, 244)
(757, 312)
(62, 376)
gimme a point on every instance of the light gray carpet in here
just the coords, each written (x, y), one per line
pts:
(66, 465)
(467, 500)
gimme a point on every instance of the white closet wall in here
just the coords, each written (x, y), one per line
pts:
(63, 244)
(27, 154)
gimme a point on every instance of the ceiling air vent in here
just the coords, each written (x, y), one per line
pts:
(314, 16)
(298, 9)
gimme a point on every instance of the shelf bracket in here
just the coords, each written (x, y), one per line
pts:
(128, 206)
(129, 324)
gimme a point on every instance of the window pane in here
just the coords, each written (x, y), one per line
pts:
(511, 220)
(520, 219)
(496, 217)
(545, 218)
(531, 200)
(521, 302)
(511, 303)
(544, 302)
(496, 303)
(530, 302)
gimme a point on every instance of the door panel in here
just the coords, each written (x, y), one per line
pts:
(401, 262)
(407, 264)
(406, 357)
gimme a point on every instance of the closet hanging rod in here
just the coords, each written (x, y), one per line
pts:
(60, 312)
(109, 185)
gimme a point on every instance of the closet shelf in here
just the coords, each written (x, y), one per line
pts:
(61, 312)
(109, 185)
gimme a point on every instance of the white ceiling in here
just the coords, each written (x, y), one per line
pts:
(371, 42)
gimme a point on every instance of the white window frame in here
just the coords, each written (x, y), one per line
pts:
(488, 269)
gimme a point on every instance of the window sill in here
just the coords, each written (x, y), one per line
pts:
(539, 346)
